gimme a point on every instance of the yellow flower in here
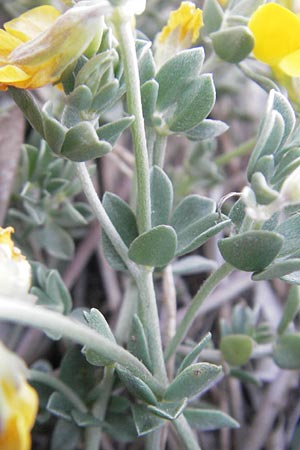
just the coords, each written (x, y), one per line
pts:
(36, 47)
(15, 271)
(181, 31)
(18, 403)
(223, 2)
(276, 32)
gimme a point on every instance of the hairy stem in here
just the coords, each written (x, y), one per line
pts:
(134, 104)
(208, 286)
(45, 319)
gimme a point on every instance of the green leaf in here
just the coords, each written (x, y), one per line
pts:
(149, 93)
(209, 419)
(246, 7)
(154, 248)
(281, 104)
(125, 223)
(233, 44)
(195, 235)
(106, 97)
(54, 131)
(251, 251)
(192, 356)
(207, 129)
(66, 435)
(291, 309)
(191, 265)
(263, 192)
(193, 105)
(81, 98)
(112, 131)
(56, 241)
(145, 61)
(77, 373)
(190, 210)
(137, 342)
(136, 386)
(120, 426)
(60, 406)
(56, 288)
(145, 421)
(245, 376)
(82, 144)
(236, 348)
(269, 139)
(174, 74)
(161, 196)
(286, 352)
(290, 229)
(93, 70)
(193, 380)
(27, 104)
(97, 322)
(168, 410)
(212, 15)
(84, 419)
(278, 269)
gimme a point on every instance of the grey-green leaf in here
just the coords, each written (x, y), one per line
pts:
(286, 352)
(251, 251)
(82, 144)
(154, 248)
(212, 15)
(194, 353)
(191, 209)
(193, 380)
(136, 386)
(233, 44)
(209, 419)
(137, 342)
(112, 131)
(168, 410)
(161, 196)
(207, 129)
(145, 421)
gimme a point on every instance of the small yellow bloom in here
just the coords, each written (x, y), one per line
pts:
(36, 47)
(15, 271)
(223, 2)
(276, 32)
(18, 403)
(181, 31)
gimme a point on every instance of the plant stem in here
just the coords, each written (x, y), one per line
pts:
(42, 318)
(185, 433)
(208, 286)
(149, 317)
(134, 103)
(58, 385)
(102, 216)
(93, 434)
(241, 150)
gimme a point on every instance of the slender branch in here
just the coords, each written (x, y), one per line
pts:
(58, 385)
(134, 103)
(42, 318)
(159, 150)
(149, 316)
(93, 434)
(208, 286)
(243, 149)
(102, 216)
(185, 433)
(170, 311)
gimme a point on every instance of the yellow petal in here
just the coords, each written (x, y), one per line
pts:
(33, 22)
(7, 43)
(187, 18)
(290, 64)
(276, 32)
(11, 75)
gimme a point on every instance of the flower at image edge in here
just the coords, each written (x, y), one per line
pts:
(15, 270)
(37, 46)
(276, 31)
(18, 403)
